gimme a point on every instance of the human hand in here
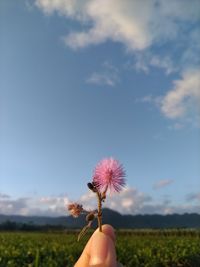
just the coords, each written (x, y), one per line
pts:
(100, 250)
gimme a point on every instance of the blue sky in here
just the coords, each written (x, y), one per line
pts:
(85, 80)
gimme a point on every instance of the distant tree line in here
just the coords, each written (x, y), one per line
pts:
(117, 220)
(14, 226)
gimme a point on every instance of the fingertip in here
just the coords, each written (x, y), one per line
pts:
(102, 249)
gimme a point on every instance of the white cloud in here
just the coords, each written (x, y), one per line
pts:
(162, 183)
(132, 201)
(51, 206)
(163, 209)
(129, 201)
(136, 24)
(12, 206)
(181, 103)
(184, 98)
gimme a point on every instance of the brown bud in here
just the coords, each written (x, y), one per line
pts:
(90, 217)
(91, 186)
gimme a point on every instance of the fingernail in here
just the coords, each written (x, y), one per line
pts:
(99, 249)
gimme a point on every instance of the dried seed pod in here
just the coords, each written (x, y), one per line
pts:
(75, 209)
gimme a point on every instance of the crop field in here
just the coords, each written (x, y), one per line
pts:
(141, 248)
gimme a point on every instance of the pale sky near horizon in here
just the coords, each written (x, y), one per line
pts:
(84, 80)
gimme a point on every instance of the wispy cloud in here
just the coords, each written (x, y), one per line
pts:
(193, 197)
(107, 76)
(162, 183)
(149, 99)
(101, 79)
(145, 60)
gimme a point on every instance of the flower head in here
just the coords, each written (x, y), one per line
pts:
(109, 174)
(75, 209)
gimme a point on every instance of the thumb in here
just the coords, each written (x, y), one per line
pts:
(102, 251)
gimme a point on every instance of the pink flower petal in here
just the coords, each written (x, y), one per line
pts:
(109, 174)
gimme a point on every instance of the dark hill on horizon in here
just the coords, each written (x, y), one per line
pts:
(112, 217)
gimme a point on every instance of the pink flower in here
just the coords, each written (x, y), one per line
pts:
(109, 174)
(75, 209)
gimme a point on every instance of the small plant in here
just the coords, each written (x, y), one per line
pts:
(108, 176)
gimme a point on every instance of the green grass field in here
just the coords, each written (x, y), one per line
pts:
(134, 248)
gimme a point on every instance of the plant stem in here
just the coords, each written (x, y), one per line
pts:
(99, 211)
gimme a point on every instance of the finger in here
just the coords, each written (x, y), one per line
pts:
(102, 251)
(85, 256)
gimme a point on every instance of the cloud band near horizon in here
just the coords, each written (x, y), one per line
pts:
(129, 201)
